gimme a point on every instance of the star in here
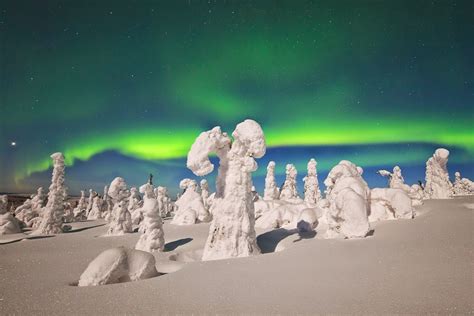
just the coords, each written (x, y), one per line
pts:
(13, 144)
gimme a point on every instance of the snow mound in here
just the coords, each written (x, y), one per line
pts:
(389, 203)
(308, 220)
(469, 206)
(187, 256)
(118, 265)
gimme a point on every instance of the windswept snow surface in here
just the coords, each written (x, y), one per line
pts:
(409, 266)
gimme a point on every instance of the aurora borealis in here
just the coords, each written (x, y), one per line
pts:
(122, 88)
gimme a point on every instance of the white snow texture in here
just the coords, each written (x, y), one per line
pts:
(232, 231)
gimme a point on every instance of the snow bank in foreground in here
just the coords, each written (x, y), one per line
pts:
(119, 265)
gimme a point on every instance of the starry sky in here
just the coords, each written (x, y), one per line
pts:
(122, 88)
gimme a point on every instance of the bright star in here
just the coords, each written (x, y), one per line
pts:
(13, 143)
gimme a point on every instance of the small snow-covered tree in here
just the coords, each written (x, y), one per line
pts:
(134, 206)
(8, 223)
(271, 191)
(108, 206)
(312, 194)
(81, 208)
(348, 196)
(90, 201)
(190, 207)
(289, 191)
(164, 201)
(120, 219)
(31, 208)
(462, 186)
(96, 210)
(153, 237)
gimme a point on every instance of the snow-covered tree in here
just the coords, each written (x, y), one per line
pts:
(164, 201)
(271, 192)
(120, 219)
(189, 207)
(348, 196)
(153, 237)
(52, 221)
(96, 210)
(437, 184)
(462, 186)
(289, 191)
(8, 223)
(232, 231)
(312, 193)
(81, 208)
(31, 208)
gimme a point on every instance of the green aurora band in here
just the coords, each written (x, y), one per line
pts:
(145, 80)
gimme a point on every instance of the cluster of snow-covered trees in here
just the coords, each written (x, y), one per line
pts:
(345, 210)
(48, 214)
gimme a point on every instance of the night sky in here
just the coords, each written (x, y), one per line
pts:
(122, 88)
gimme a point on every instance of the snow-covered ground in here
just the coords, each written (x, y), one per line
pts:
(414, 266)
